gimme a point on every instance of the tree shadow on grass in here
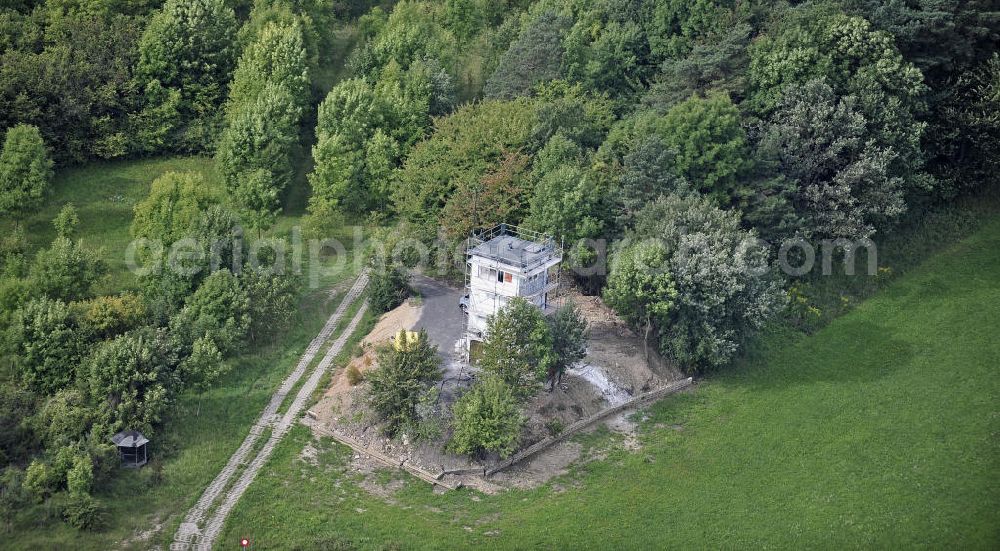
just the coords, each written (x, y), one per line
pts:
(849, 350)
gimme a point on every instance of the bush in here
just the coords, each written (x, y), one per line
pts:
(487, 419)
(25, 170)
(518, 346)
(80, 477)
(354, 375)
(402, 382)
(83, 511)
(39, 480)
(387, 289)
(555, 427)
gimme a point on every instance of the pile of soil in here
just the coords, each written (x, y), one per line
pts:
(339, 398)
(617, 351)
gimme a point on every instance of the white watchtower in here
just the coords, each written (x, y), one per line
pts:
(504, 262)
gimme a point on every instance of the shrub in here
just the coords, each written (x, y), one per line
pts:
(354, 375)
(80, 477)
(487, 419)
(83, 511)
(39, 480)
(555, 427)
(401, 382)
(518, 346)
(25, 170)
(387, 288)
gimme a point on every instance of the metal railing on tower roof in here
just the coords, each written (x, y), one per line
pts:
(548, 250)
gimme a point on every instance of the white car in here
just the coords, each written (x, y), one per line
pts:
(463, 303)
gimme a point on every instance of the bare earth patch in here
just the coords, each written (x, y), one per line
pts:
(339, 397)
(140, 537)
(614, 370)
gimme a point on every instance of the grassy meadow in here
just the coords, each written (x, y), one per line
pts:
(104, 195)
(879, 430)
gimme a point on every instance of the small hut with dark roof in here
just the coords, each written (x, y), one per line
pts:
(131, 447)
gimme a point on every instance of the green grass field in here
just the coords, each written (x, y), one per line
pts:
(104, 195)
(879, 430)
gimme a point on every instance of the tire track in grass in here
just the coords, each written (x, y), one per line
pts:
(191, 535)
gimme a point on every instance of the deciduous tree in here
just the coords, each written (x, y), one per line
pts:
(189, 46)
(568, 201)
(464, 147)
(48, 345)
(855, 60)
(569, 341)
(487, 419)
(725, 290)
(387, 288)
(276, 55)
(641, 287)
(66, 221)
(66, 270)
(130, 381)
(175, 202)
(710, 145)
(219, 309)
(25, 171)
(402, 381)
(517, 346)
(256, 152)
(842, 181)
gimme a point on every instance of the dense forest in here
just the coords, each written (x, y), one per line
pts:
(682, 131)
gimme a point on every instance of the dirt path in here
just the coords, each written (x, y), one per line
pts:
(195, 532)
